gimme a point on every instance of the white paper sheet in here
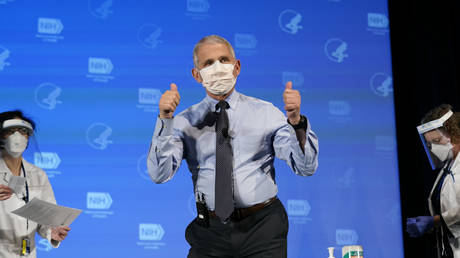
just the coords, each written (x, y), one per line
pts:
(17, 183)
(48, 214)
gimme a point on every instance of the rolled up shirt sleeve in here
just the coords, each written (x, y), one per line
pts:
(287, 148)
(166, 151)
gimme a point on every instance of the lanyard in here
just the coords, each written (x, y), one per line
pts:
(448, 167)
(26, 198)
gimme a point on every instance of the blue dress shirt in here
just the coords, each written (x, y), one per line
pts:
(259, 132)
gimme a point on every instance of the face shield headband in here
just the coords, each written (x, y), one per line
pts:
(18, 123)
(432, 125)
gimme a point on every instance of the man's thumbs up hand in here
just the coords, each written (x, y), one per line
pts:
(292, 102)
(169, 101)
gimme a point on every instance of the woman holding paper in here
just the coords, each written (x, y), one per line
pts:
(17, 234)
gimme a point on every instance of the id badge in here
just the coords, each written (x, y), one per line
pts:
(25, 250)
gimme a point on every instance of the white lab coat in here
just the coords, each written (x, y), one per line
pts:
(450, 204)
(14, 228)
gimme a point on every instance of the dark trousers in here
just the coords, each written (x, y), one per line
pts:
(260, 235)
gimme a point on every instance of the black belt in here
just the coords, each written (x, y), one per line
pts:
(241, 213)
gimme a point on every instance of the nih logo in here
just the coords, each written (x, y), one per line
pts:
(47, 160)
(149, 96)
(4, 55)
(245, 41)
(377, 23)
(148, 99)
(99, 65)
(47, 94)
(381, 84)
(199, 6)
(44, 245)
(101, 8)
(346, 237)
(98, 135)
(377, 20)
(339, 108)
(298, 207)
(151, 232)
(98, 200)
(149, 35)
(50, 26)
(289, 21)
(335, 50)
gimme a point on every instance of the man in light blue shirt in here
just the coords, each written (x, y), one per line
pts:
(253, 133)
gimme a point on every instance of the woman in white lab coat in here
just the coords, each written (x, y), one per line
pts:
(17, 234)
(440, 133)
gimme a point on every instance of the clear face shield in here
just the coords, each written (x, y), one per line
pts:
(16, 134)
(436, 161)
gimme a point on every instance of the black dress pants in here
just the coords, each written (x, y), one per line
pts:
(260, 235)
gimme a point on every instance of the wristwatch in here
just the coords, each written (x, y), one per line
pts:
(303, 123)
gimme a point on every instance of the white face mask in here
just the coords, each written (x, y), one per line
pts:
(442, 151)
(218, 78)
(15, 144)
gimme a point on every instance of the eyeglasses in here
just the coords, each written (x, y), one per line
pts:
(21, 130)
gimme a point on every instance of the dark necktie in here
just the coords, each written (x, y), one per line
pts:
(224, 165)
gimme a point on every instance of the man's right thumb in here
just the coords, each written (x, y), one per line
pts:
(173, 87)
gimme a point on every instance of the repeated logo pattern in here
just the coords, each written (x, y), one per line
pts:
(92, 73)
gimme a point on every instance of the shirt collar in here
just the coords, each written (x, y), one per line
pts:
(455, 164)
(231, 99)
(3, 167)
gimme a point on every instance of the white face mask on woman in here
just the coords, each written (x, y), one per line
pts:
(442, 151)
(15, 144)
(218, 78)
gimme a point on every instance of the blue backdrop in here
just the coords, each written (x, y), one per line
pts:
(91, 73)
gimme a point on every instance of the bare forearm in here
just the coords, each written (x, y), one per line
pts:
(301, 135)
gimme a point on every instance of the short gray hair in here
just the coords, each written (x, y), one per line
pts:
(211, 39)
